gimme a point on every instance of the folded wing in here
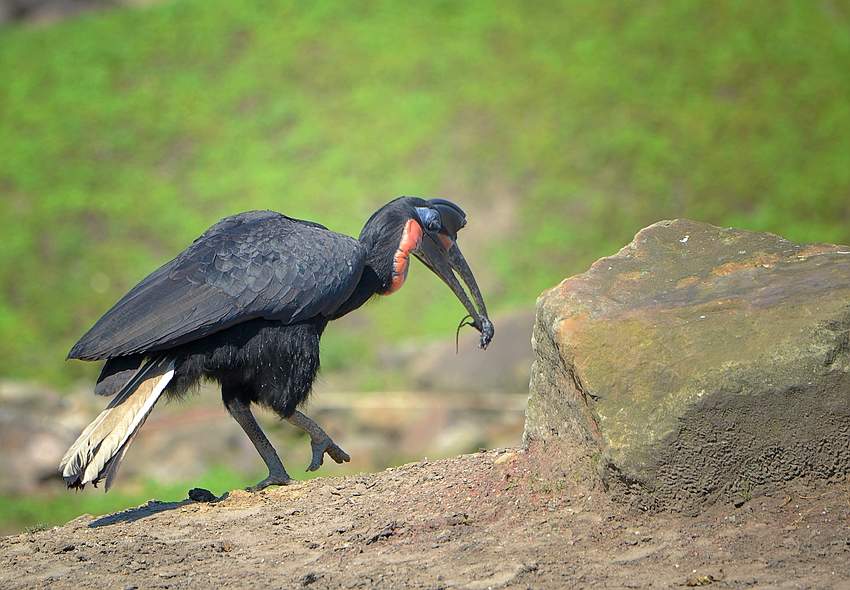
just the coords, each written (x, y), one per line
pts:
(258, 264)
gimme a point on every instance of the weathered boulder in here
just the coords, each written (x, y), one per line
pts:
(698, 363)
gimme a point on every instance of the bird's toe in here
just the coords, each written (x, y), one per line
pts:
(337, 454)
(331, 448)
(271, 480)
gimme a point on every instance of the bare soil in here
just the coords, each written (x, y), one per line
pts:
(496, 519)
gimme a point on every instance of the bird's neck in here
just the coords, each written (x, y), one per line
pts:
(388, 238)
(381, 236)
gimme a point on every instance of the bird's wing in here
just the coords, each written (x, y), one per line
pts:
(258, 264)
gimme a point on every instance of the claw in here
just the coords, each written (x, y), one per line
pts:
(319, 441)
(274, 479)
(326, 446)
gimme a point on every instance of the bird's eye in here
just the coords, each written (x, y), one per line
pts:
(430, 219)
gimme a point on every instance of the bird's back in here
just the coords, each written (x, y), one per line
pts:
(258, 264)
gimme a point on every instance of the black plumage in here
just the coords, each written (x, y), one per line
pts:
(245, 305)
(259, 264)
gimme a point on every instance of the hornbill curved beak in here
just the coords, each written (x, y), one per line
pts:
(439, 251)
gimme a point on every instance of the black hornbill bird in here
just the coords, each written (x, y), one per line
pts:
(245, 306)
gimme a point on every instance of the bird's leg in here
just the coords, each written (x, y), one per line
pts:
(243, 416)
(319, 441)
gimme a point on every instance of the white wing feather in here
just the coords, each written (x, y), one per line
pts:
(111, 432)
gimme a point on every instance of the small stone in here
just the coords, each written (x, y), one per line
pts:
(201, 495)
(505, 458)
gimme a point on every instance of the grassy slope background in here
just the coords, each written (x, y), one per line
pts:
(562, 127)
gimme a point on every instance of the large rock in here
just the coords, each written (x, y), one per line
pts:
(698, 363)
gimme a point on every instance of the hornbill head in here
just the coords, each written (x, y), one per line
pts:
(430, 233)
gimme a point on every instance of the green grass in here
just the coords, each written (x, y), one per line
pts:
(563, 127)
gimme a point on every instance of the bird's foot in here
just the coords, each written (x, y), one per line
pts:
(274, 479)
(319, 441)
(326, 445)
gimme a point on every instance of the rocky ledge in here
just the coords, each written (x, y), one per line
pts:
(697, 363)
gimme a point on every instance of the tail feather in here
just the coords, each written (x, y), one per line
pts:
(110, 470)
(99, 450)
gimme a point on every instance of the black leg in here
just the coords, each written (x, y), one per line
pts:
(243, 416)
(319, 441)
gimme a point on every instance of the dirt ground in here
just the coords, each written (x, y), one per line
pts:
(490, 520)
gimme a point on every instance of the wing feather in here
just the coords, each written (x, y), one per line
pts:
(258, 264)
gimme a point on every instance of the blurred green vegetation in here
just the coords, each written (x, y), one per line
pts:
(563, 127)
